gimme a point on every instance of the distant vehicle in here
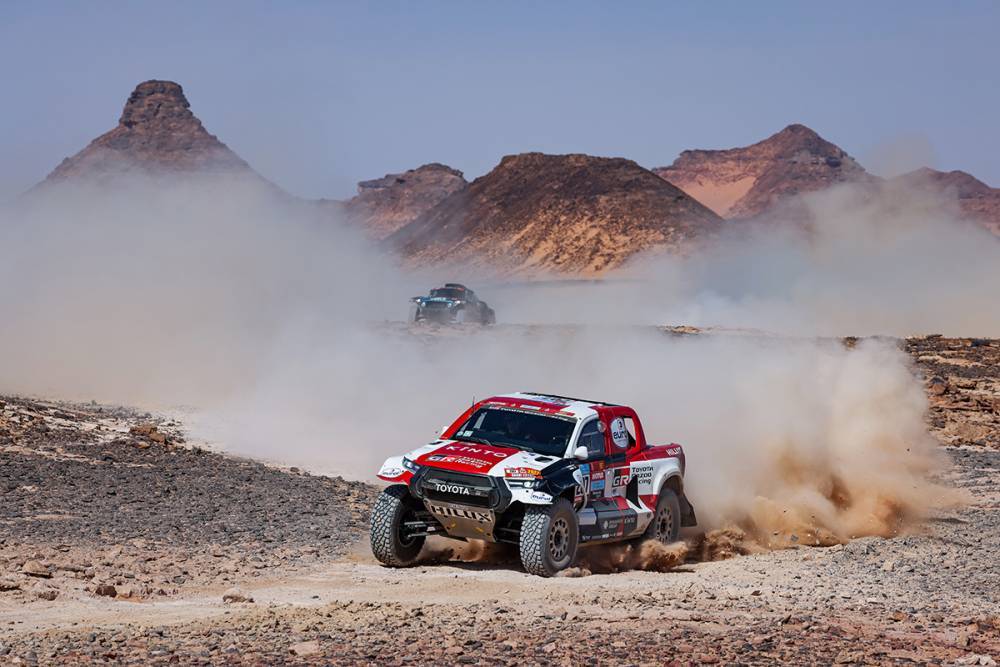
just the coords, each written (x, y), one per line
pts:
(453, 303)
(545, 473)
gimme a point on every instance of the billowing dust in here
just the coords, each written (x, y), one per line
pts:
(648, 555)
(281, 329)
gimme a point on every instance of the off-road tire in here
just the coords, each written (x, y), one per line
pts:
(666, 523)
(543, 552)
(392, 506)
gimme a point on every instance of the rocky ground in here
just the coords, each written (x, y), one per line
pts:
(111, 502)
(122, 544)
(963, 385)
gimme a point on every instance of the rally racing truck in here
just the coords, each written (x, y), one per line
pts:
(451, 304)
(545, 473)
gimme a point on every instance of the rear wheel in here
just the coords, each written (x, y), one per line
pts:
(666, 523)
(549, 538)
(390, 541)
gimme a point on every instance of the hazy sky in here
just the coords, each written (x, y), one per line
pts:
(319, 95)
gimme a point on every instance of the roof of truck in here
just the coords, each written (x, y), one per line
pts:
(550, 403)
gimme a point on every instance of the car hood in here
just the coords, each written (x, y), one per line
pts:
(472, 457)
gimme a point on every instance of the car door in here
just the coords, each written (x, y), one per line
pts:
(607, 515)
(592, 436)
(621, 447)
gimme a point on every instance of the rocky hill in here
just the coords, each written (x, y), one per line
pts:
(976, 200)
(384, 205)
(745, 182)
(565, 213)
(157, 133)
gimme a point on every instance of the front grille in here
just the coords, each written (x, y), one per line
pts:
(437, 312)
(447, 486)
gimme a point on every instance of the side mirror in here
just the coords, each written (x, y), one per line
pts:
(581, 453)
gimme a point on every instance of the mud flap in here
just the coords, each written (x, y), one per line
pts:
(688, 518)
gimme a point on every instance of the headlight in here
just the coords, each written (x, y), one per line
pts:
(524, 483)
(410, 465)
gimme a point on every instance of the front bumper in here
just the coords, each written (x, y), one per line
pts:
(440, 315)
(466, 505)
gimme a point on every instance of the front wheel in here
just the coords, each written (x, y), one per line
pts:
(549, 538)
(390, 542)
(666, 523)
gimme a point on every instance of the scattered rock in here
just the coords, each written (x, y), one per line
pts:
(35, 569)
(305, 648)
(106, 590)
(937, 386)
(235, 595)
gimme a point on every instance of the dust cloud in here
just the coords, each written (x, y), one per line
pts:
(883, 259)
(647, 555)
(278, 328)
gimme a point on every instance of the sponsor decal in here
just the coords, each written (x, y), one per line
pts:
(596, 484)
(436, 457)
(478, 464)
(442, 487)
(534, 409)
(673, 450)
(391, 472)
(462, 513)
(619, 434)
(522, 473)
(465, 449)
(540, 497)
(621, 477)
(643, 472)
(597, 474)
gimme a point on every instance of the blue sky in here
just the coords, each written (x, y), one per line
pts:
(319, 95)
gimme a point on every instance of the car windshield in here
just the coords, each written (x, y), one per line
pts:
(448, 293)
(533, 431)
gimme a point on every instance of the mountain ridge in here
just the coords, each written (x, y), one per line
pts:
(561, 213)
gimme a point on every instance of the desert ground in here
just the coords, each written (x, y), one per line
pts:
(123, 543)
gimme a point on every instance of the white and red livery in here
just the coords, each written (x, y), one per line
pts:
(547, 473)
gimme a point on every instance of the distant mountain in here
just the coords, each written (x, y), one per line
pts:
(565, 213)
(976, 200)
(157, 133)
(384, 205)
(745, 182)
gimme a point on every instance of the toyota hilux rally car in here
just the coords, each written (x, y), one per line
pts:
(546, 473)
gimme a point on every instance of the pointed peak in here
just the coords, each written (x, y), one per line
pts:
(156, 132)
(796, 130)
(797, 137)
(154, 102)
